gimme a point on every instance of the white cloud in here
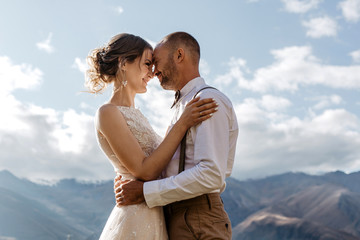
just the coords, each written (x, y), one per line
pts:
(355, 56)
(84, 105)
(37, 142)
(22, 76)
(293, 67)
(270, 145)
(321, 27)
(119, 9)
(238, 70)
(46, 44)
(204, 68)
(80, 64)
(300, 6)
(326, 101)
(273, 103)
(10, 119)
(72, 130)
(350, 10)
(155, 104)
(152, 43)
(13, 77)
(52, 145)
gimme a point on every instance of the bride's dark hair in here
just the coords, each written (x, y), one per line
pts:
(104, 61)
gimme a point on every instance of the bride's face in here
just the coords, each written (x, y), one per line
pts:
(139, 73)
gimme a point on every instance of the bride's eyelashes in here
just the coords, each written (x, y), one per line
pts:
(149, 65)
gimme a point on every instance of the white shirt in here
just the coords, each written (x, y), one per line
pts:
(210, 151)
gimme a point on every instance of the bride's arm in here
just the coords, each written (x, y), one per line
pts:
(111, 123)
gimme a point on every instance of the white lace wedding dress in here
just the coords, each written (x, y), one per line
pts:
(134, 221)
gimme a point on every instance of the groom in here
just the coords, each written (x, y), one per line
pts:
(191, 199)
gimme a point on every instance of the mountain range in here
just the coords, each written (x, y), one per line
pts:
(290, 206)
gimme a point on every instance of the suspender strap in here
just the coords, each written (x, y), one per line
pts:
(182, 153)
(183, 140)
(201, 90)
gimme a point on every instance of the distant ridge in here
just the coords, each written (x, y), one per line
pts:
(297, 206)
(53, 212)
(271, 226)
(289, 206)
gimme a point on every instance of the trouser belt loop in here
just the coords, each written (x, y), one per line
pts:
(209, 200)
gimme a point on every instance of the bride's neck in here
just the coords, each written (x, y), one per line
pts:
(123, 96)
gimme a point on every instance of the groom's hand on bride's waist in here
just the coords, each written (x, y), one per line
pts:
(128, 192)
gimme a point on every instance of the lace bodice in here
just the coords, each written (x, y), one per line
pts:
(143, 132)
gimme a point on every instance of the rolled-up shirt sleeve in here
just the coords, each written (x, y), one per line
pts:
(211, 158)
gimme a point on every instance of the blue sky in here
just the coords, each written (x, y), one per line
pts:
(290, 67)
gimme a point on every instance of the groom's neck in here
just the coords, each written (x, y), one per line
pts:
(186, 77)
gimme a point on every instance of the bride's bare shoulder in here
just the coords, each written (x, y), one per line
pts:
(107, 107)
(108, 113)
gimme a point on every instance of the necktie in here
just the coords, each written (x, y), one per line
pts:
(177, 97)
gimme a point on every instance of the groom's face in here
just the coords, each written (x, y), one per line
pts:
(165, 68)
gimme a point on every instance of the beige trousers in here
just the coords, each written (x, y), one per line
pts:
(202, 217)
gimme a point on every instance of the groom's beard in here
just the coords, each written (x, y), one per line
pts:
(169, 75)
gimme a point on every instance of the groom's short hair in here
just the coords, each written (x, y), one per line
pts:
(179, 39)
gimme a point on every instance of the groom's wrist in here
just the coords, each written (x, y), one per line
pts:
(151, 194)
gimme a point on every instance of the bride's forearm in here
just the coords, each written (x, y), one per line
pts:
(158, 160)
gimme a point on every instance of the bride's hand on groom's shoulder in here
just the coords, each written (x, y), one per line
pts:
(198, 110)
(128, 192)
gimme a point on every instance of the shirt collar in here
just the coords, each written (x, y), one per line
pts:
(191, 85)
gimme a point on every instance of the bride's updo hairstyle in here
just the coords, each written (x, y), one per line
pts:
(104, 61)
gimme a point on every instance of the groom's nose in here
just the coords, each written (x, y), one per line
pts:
(156, 71)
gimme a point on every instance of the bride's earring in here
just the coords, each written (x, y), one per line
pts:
(124, 82)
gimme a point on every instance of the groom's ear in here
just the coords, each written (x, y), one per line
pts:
(179, 55)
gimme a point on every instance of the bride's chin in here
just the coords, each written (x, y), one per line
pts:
(143, 90)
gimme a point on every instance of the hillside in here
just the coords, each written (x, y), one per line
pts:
(318, 212)
(288, 206)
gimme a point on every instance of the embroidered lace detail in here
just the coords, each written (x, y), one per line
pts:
(141, 128)
(142, 131)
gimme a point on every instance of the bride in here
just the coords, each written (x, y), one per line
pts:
(125, 135)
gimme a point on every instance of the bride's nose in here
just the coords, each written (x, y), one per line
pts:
(150, 74)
